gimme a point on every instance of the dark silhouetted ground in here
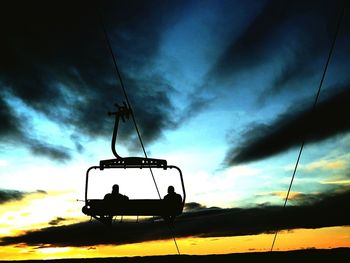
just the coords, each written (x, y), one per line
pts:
(298, 256)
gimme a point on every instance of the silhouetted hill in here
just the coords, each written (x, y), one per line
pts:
(308, 255)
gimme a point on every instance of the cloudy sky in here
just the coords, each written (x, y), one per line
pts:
(222, 89)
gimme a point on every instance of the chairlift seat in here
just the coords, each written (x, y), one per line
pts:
(133, 207)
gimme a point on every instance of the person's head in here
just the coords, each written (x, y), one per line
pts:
(171, 189)
(115, 189)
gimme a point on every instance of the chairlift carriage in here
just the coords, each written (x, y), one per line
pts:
(104, 211)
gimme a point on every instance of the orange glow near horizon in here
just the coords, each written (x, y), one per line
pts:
(322, 238)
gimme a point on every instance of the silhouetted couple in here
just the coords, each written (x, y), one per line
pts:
(170, 198)
(171, 204)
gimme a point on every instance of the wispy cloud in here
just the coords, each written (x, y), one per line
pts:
(290, 128)
(325, 210)
(324, 165)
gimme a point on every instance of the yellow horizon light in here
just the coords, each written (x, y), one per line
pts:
(322, 238)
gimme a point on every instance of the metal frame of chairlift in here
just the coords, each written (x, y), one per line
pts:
(132, 207)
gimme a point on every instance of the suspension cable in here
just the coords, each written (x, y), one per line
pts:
(313, 108)
(119, 76)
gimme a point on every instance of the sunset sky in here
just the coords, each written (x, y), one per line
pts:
(222, 89)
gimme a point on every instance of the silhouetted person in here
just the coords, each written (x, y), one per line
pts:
(115, 196)
(173, 203)
(113, 201)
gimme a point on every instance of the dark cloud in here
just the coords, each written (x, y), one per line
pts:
(56, 221)
(292, 127)
(153, 115)
(294, 36)
(8, 127)
(13, 131)
(252, 45)
(53, 152)
(10, 195)
(61, 67)
(7, 195)
(41, 191)
(193, 206)
(56, 61)
(307, 58)
(329, 210)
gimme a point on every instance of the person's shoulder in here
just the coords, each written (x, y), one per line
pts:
(108, 197)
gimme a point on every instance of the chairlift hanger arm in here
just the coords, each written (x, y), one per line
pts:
(123, 112)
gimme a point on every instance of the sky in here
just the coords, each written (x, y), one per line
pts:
(222, 89)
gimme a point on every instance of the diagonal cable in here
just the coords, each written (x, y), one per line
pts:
(313, 107)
